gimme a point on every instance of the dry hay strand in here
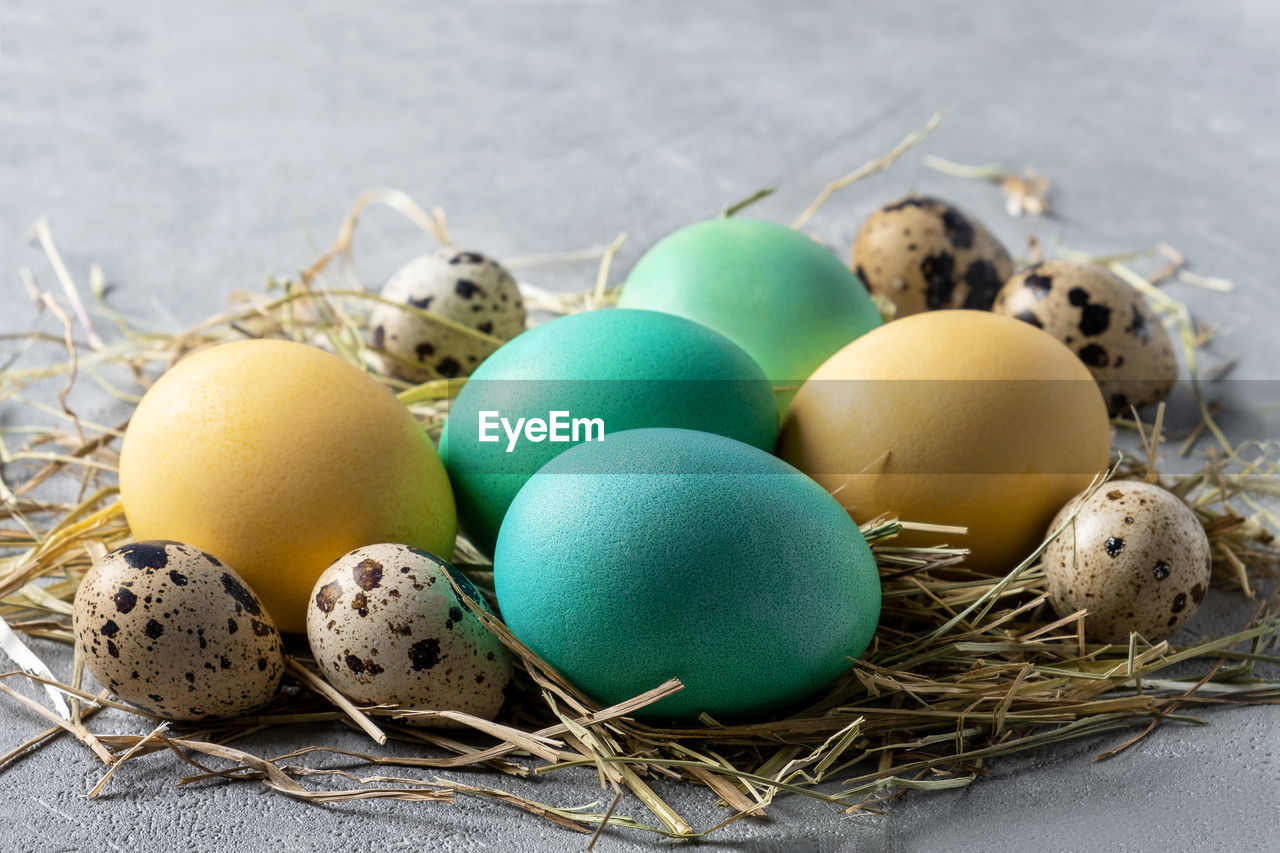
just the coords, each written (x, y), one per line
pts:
(1026, 193)
(964, 668)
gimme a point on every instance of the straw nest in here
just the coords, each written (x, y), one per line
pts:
(965, 667)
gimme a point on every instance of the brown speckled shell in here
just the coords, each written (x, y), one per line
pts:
(923, 254)
(1102, 320)
(1135, 557)
(465, 287)
(173, 630)
(386, 628)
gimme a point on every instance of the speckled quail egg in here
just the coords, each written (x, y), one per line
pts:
(174, 630)
(1104, 321)
(1135, 557)
(462, 286)
(924, 253)
(386, 628)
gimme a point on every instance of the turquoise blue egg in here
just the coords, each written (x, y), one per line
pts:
(666, 553)
(773, 291)
(626, 368)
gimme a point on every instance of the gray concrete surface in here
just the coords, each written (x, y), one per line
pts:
(190, 150)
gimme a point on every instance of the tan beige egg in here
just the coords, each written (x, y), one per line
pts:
(1104, 321)
(959, 417)
(173, 630)
(1135, 557)
(387, 628)
(924, 253)
(465, 287)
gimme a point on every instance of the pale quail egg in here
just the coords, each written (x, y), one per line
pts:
(174, 630)
(1104, 321)
(386, 628)
(924, 253)
(1135, 557)
(462, 286)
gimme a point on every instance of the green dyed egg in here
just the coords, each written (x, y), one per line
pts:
(774, 292)
(624, 369)
(669, 552)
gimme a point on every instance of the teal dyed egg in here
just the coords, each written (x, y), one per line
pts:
(602, 372)
(776, 293)
(669, 552)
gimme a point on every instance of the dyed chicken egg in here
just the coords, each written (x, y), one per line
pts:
(964, 418)
(622, 367)
(280, 458)
(665, 553)
(771, 290)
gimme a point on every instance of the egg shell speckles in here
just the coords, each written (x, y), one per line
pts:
(387, 628)
(175, 631)
(923, 254)
(665, 553)
(1135, 557)
(1104, 321)
(462, 286)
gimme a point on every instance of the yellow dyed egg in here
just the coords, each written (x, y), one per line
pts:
(953, 417)
(278, 458)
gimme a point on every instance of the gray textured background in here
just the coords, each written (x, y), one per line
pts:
(191, 151)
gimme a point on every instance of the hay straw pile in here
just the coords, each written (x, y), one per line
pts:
(965, 667)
